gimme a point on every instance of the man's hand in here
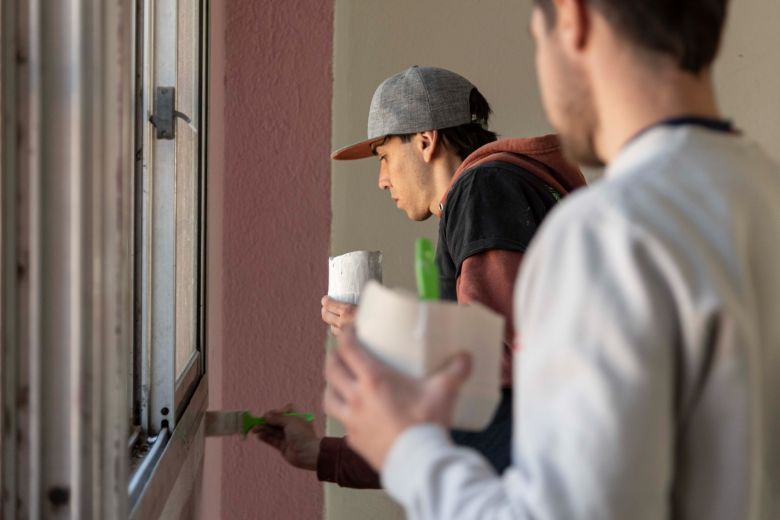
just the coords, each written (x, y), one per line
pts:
(376, 403)
(337, 314)
(295, 438)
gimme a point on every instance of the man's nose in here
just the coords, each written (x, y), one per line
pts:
(384, 181)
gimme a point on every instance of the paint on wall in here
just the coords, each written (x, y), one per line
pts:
(274, 239)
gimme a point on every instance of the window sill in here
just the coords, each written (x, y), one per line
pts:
(181, 457)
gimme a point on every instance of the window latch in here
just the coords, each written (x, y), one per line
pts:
(164, 117)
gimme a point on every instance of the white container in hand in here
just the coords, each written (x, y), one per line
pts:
(417, 337)
(348, 273)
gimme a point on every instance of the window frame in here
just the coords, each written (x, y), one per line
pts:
(67, 195)
(165, 440)
(157, 385)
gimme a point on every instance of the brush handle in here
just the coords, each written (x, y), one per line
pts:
(250, 421)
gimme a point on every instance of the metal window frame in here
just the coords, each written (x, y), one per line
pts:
(158, 274)
(178, 435)
(66, 197)
(162, 396)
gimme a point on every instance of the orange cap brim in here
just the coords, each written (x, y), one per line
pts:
(359, 150)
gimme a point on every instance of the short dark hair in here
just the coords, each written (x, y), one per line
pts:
(688, 30)
(464, 139)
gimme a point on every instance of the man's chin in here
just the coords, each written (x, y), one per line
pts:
(419, 217)
(415, 215)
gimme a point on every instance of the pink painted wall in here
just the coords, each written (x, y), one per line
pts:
(270, 249)
(211, 485)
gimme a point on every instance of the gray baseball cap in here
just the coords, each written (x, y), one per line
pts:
(415, 100)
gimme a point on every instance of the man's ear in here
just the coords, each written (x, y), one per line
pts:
(429, 142)
(573, 23)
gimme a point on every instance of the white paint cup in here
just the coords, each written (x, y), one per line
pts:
(348, 274)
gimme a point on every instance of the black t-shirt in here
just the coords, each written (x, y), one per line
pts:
(496, 205)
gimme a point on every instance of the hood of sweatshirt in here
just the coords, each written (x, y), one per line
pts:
(541, 156)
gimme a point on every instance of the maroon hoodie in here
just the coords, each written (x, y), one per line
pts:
(489, 277)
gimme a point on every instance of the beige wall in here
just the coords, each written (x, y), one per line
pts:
(487, 42)
(747, 75)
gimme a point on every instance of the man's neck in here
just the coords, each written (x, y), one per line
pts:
(443, 171)
(629, 103)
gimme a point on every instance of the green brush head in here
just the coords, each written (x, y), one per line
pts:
(250, 421)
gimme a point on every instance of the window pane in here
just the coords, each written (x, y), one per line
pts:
(186, 184)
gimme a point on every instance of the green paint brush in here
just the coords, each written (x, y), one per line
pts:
(425, 270)
(240, 422)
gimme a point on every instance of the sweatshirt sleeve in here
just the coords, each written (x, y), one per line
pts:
(489, 278)
(337, 463)
(446, 481)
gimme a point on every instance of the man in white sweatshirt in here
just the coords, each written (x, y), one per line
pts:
(649, 377)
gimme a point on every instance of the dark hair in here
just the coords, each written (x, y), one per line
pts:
(688, 30)
(464, 139)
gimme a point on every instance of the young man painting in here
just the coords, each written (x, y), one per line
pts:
(428, 128)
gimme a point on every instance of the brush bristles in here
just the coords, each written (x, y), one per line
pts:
(224, 423)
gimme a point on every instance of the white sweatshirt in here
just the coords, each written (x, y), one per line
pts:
(648, 382)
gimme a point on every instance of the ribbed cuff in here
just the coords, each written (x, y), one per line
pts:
(401, 471)
(328, 458)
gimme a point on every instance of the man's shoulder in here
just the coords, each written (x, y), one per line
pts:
(494, 175)
(596, 209)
